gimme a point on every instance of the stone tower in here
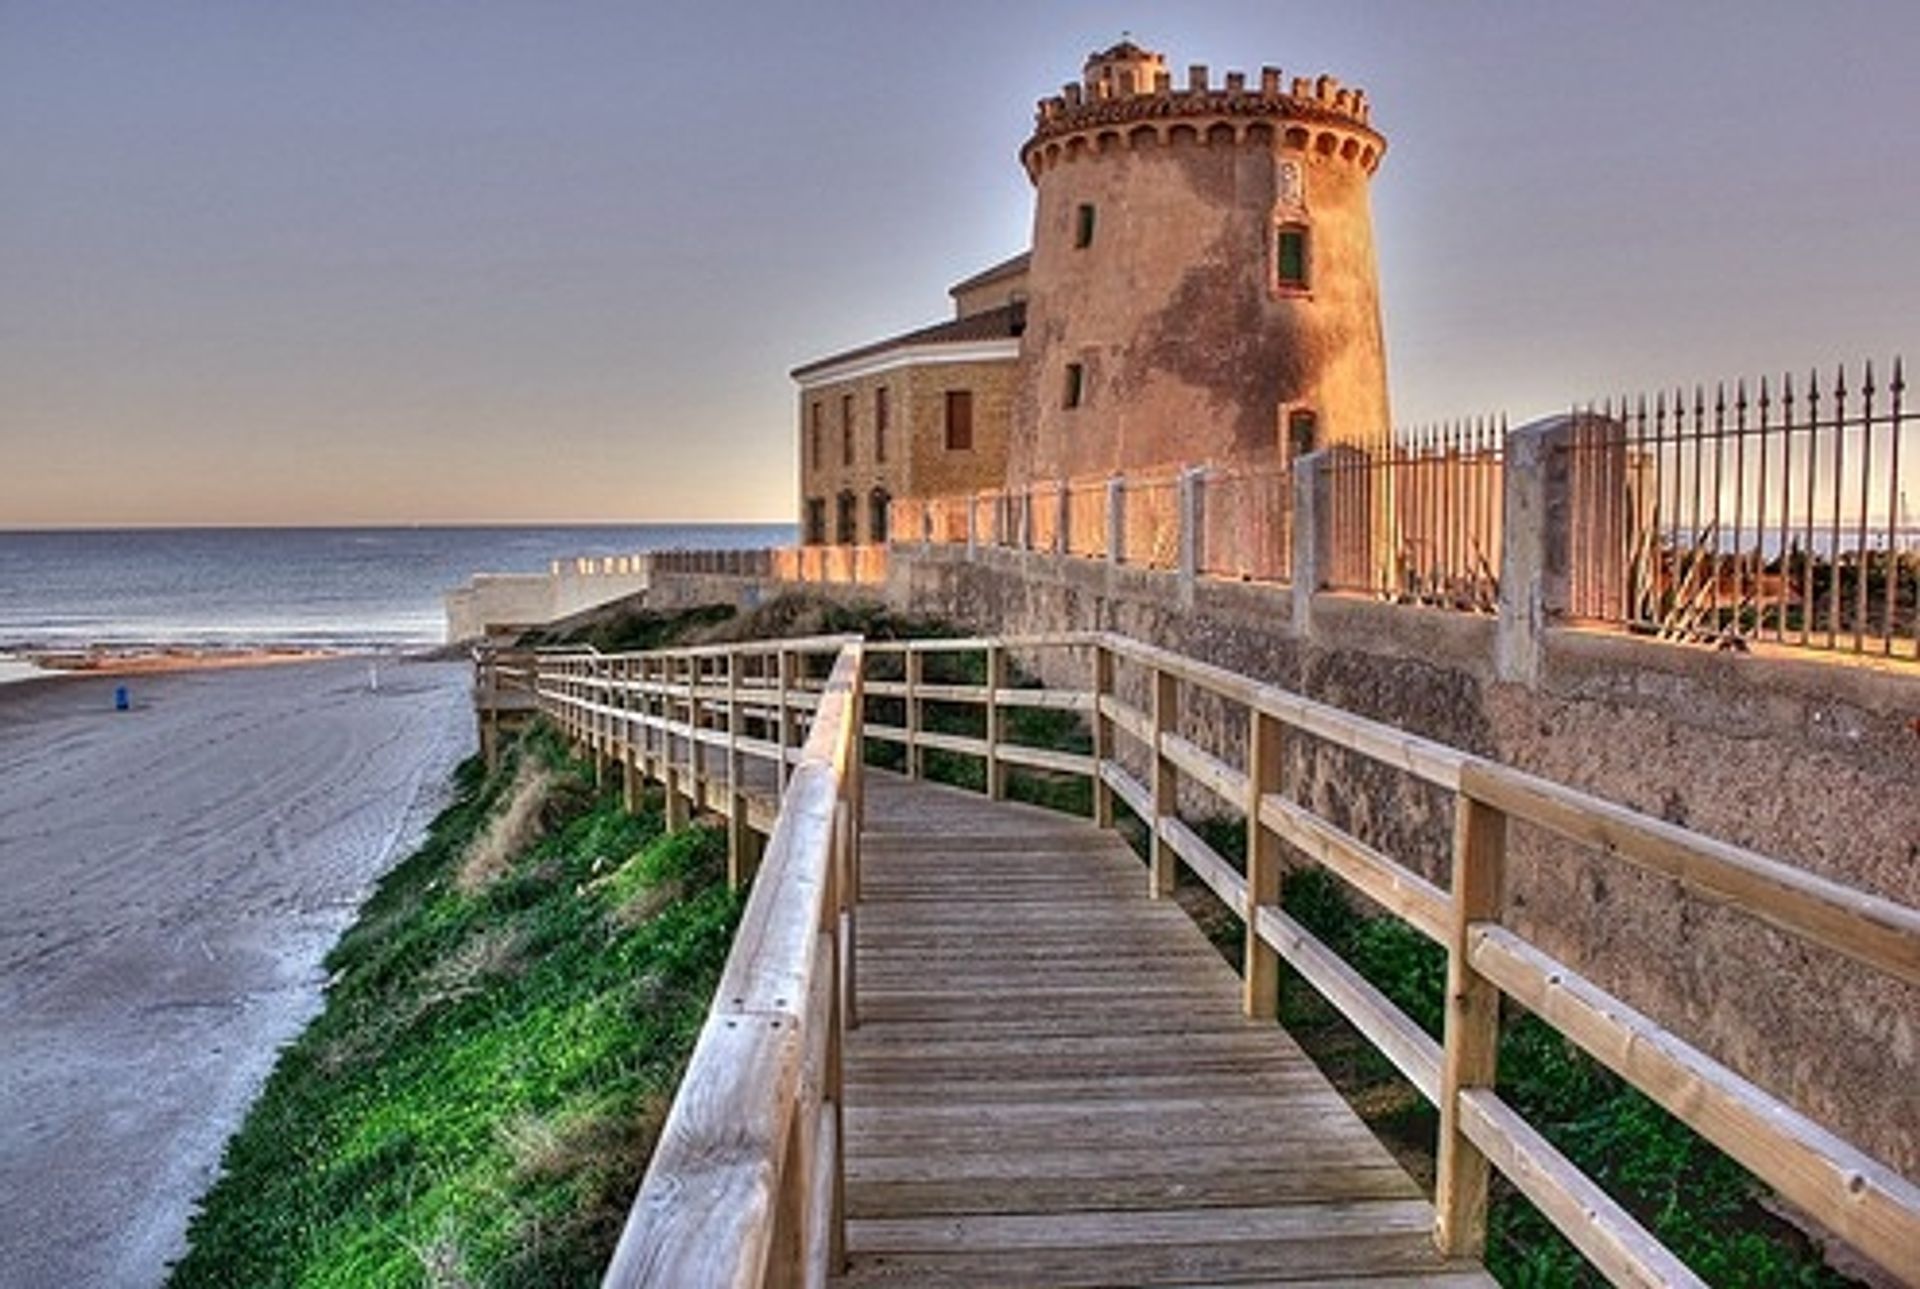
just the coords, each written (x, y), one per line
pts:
(1203, 282)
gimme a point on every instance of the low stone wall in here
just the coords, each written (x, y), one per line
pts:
(491, 601)
(1811, 760)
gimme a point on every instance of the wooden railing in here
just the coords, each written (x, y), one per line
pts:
(746, 1183)
(1143, 757)
(1867, 1204)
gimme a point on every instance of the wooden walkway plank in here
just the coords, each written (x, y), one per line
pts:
(1053, 1082)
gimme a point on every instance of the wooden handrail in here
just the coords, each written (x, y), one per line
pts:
(745, 1187)
(592, 696)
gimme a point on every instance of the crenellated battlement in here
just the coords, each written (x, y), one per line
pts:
(1128, 98)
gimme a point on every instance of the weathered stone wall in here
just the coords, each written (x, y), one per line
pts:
(830, 424)
(1812, 761)
(917, 462)
(935, 471)
(1192, 349)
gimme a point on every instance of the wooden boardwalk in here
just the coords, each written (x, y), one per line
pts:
(1051, 1082)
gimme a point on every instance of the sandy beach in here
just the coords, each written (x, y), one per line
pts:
(170, 879)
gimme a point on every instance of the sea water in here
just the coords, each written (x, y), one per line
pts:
(283, 588)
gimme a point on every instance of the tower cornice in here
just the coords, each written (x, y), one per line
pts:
(1309, 115)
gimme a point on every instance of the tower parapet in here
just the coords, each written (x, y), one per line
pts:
(1127, 96)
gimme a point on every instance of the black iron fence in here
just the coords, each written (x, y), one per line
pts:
(1778, 511)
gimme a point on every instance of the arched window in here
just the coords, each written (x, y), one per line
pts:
(847, 520)
(877, 504)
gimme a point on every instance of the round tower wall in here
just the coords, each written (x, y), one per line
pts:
(1190, 348)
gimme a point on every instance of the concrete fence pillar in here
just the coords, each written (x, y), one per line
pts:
(1063, 516)
(973, 525)
(1312, 534)
(1193, 497)
(1533, 546)
(1116, 520)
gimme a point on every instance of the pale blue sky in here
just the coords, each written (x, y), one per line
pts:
(356, 262)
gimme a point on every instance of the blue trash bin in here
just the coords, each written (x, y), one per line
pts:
(122, 701)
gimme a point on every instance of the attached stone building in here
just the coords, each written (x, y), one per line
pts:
(1202, 289)
(922, 414)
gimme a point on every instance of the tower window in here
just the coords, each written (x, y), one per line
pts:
(813, 437)
(846, 429)
(1290, 257)
(816, 521)
(1076, 386)
(880, 425)
(1083, 226)
(1303, 428)
(959, 420)
(877, 502)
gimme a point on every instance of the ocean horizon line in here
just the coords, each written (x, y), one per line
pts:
(8, 530)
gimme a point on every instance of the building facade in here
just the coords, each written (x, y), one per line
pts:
(1202, 289)
(922, 414)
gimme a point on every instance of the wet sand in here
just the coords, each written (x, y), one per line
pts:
(170, 879)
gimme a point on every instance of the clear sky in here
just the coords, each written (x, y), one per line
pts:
(280, 262)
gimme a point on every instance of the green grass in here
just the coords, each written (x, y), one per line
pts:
(477, 1102)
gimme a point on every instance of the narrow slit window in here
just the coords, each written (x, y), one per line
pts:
(1290, 257)
(846, 429)
(813, 437)
(1083, 226)
(880, 425)
(1076, 385)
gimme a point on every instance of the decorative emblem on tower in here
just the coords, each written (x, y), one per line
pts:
(1290, 181)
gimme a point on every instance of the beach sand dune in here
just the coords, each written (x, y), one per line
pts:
(170, 879)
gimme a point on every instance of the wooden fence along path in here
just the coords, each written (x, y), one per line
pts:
(961, 1041)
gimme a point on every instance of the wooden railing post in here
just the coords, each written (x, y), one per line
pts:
(1166, 783)
(679, 806)
(696, 759)
(740, 846)
(1471, 1049)
(1260, 967)
(783, 721)
(629, 750)
(857, 779)
(649, 768)
(1102, 734)
(996, 680)
(842, 1017)
(596, 733)
(916, 661)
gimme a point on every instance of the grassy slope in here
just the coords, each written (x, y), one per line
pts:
(478, 1100)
